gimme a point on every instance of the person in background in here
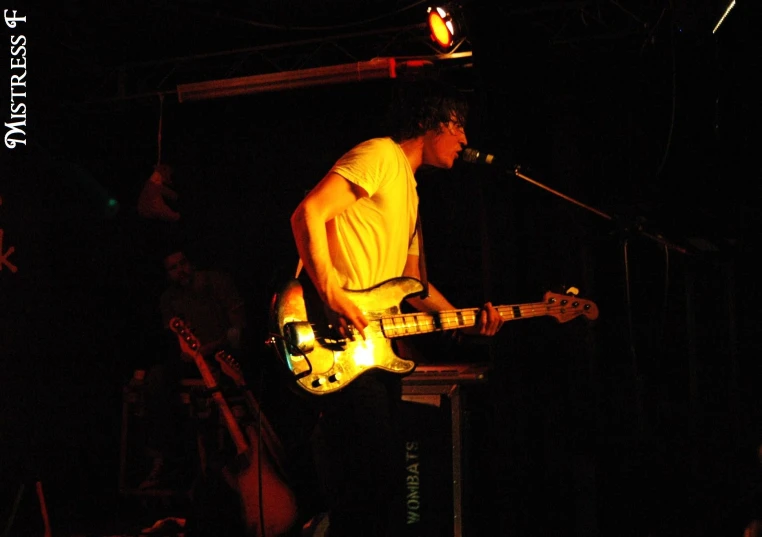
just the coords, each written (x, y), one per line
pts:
(209, 303)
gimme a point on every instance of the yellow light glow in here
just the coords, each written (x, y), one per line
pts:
(363, 354)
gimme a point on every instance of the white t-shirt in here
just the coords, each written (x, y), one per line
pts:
(370, 241)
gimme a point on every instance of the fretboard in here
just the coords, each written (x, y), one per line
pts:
(422, 323)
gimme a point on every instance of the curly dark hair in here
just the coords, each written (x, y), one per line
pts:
(422, 105)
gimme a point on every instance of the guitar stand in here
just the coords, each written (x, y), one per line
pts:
(43, 510)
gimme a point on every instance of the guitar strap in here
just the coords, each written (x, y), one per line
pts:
(421, 259)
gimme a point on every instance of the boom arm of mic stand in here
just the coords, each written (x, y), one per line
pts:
(657, 238)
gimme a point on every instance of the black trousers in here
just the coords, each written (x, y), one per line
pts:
(358, 454)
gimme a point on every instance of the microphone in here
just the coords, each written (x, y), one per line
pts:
(474, 156)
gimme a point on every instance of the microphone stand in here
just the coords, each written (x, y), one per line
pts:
(657, 238)
(637, 227)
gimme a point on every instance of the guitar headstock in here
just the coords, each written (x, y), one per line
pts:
(567, 307)
(189, 343)
(230, 367)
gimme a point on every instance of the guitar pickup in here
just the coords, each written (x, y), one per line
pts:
(299, 335)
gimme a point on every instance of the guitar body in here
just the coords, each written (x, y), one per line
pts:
(276, 506)
(268, 505)
(322, 361)
(249, 474)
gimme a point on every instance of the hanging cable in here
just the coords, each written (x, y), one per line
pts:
(161, 117)
(157, 189)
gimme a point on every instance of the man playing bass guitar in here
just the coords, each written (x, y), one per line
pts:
(355, 229)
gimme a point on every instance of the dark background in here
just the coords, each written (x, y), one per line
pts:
(644, 422)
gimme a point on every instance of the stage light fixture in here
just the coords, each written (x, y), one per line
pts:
(445, 24)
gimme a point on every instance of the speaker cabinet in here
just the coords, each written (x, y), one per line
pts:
(431, 498)
(424, 506)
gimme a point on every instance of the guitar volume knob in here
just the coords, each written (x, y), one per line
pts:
(336, 377)
(318, 382)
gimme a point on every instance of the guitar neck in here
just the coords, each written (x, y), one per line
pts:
(234, 429)
(426, 322)
(268, 434)
(190, 346)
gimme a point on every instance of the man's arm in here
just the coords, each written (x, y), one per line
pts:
(308, 222)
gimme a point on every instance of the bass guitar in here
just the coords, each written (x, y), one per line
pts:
(268, 505)
(323, 362)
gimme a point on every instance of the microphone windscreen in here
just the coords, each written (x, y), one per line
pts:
(470, 155)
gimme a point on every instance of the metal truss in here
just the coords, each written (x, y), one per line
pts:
(162, 76)
(577, 26)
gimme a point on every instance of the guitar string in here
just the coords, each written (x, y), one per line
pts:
(451, 319)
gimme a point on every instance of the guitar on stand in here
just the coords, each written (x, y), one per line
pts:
(268, 505)
(232, 369)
